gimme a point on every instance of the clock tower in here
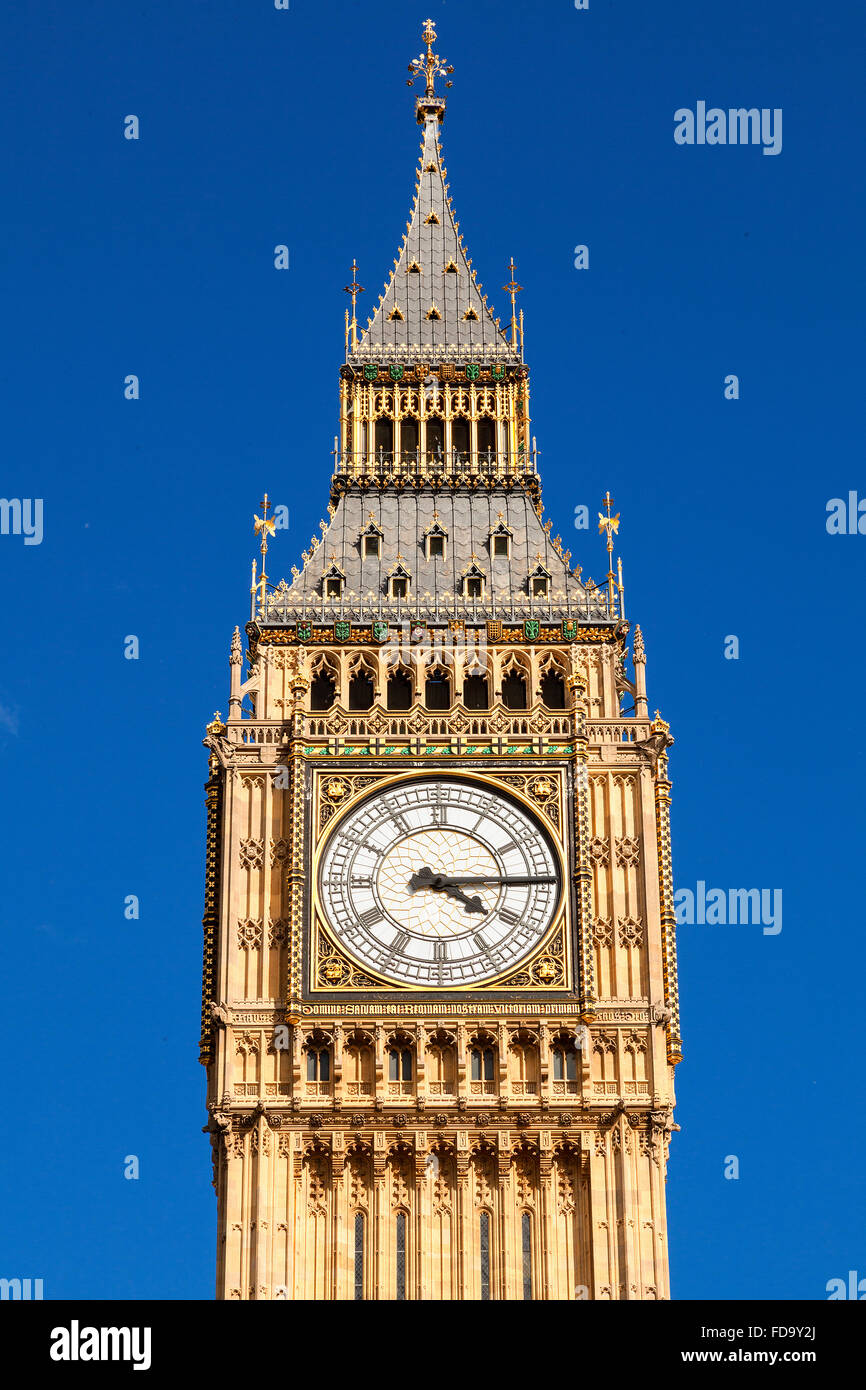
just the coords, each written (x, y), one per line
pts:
(439, 1008)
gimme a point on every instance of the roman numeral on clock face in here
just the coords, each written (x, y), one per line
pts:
(508, 916)
(370, 918)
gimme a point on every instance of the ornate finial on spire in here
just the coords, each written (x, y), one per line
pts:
(264, 526)
(354, 290)
(433, 66)
(514, 290)
(610, 524)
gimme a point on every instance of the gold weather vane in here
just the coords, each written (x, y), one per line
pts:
(610, 524)
(514, 290)
(431, 63)
(354, 290)
(264, 526)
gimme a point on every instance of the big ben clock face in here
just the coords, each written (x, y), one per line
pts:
(439, 883)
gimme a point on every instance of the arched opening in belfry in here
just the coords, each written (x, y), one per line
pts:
(476, 694)
(409, 438)
(323, 689)
(460, 436)
(514, 690)
(553, 690)
(437, 689)
(384, 439)
(361, 689)
(400, 690)
(486, 438)
(435, 438)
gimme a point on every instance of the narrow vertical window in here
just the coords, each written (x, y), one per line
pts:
(401, 1256)
(359, 1255)
(485, 1256)
(526, 1222)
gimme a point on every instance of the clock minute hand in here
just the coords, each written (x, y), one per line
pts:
(518, 880)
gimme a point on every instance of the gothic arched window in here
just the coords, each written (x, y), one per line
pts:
(437, 689)
(400, 690)
(553, 690)
(514, 690)
(361, 689)
(482, 1063)
(564, 1064)
(359, 1255)
(400, 1064)
(475, 694)
(526, 1241)
(323, 689)
(318, 1064)
(401, 1255)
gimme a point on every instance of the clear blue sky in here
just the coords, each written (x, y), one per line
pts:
(155, 257)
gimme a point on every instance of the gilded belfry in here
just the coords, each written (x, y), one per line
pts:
(439, 1008)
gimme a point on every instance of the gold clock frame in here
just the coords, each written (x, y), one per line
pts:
(547, 968)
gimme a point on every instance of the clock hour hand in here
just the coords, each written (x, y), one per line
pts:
(425, 878)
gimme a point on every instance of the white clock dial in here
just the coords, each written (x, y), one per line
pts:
(439, 882)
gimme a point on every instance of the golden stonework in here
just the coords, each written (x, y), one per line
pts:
(439, 1003)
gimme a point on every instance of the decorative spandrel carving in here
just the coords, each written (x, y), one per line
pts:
(337, 792)
(334, 969)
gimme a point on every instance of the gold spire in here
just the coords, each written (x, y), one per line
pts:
(610, 524)
(264, 526)
(432, 65)
(354, 290)
(514, 290)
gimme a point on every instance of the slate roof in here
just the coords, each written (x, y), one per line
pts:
(433, 245)
(403, 518)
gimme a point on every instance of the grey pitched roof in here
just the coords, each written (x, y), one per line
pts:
(432, 242)
(467, 518)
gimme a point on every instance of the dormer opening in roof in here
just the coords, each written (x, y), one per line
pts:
(333, 580)
(473, 580)
(539, 581)
(371, 541)
(435, 540)
(399, 580)
(501, 537)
